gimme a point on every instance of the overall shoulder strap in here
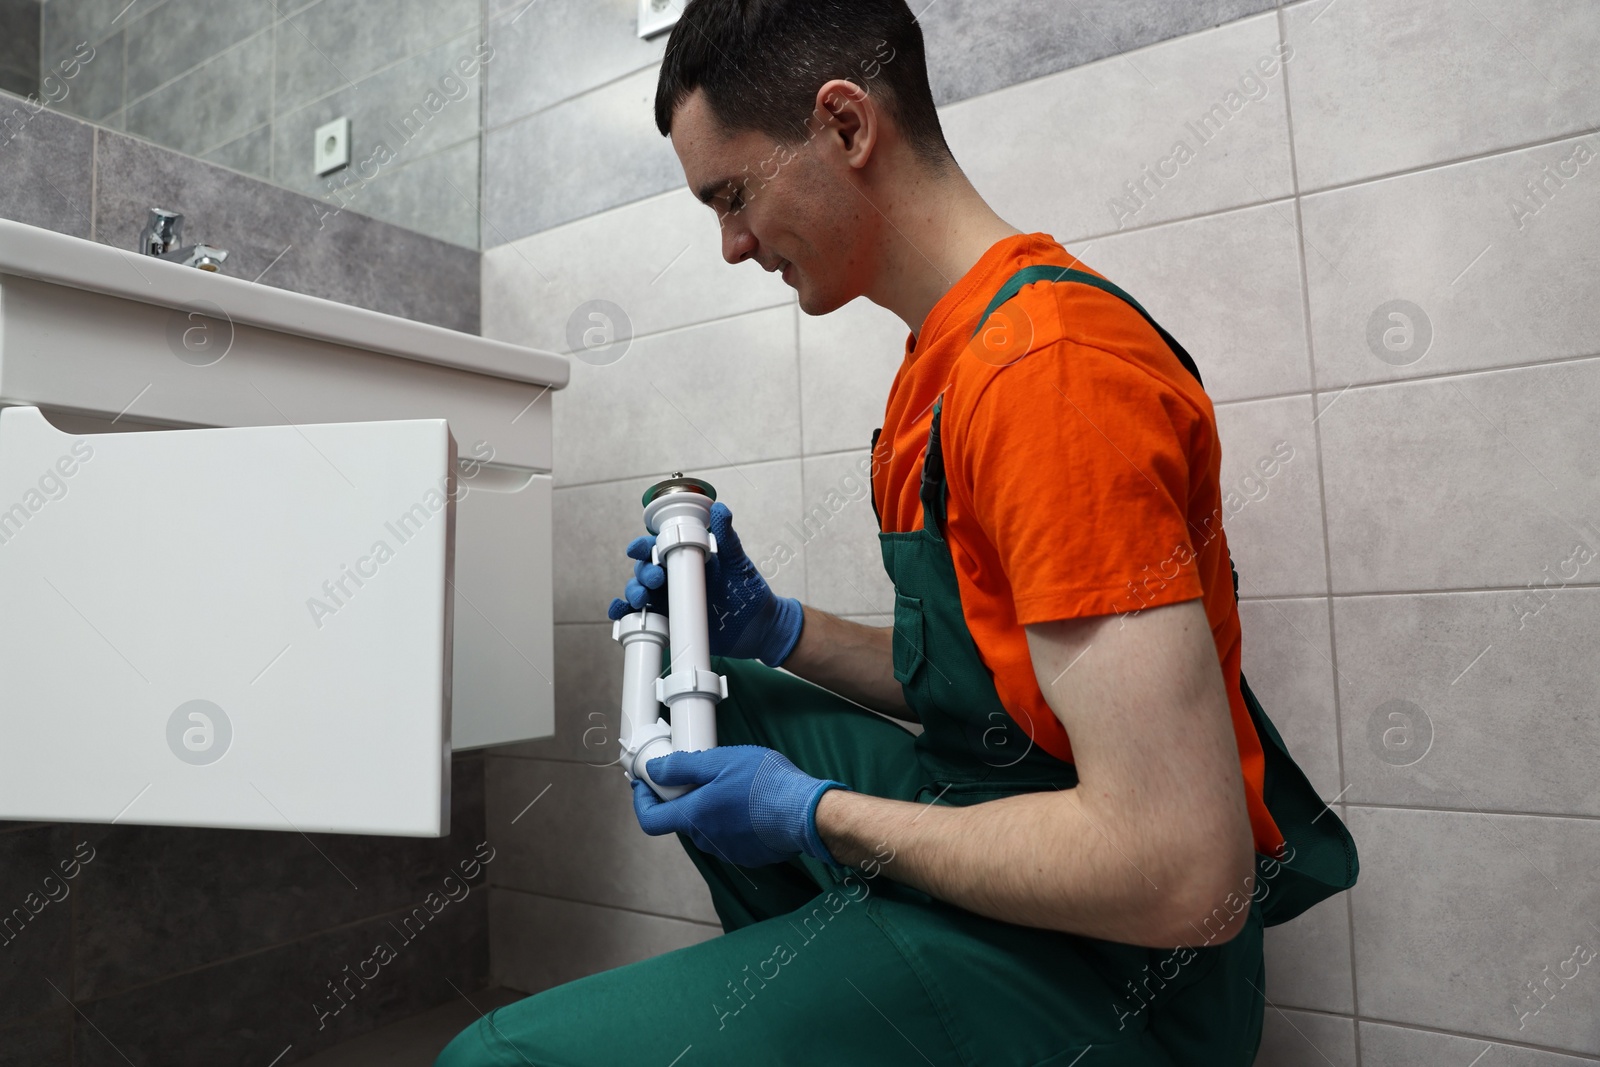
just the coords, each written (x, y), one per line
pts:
(932, 488)
(1048, 273)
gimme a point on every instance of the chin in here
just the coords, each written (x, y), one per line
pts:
(815, 303)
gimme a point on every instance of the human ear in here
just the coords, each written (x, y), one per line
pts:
(847, 115)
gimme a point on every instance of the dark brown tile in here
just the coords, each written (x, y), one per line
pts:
(36, 918)
(169, 899)
(254, 1008)
(39, 1042)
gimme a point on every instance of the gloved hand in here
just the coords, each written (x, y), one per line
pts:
(746, 619)
(751, 806)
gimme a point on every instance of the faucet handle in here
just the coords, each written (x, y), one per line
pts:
(163, 231)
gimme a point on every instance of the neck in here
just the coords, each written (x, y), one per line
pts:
(937, 228)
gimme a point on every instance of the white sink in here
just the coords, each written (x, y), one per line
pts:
(186, 635)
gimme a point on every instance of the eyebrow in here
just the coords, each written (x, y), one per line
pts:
(708, 192)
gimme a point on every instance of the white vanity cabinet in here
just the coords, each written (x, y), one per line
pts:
(266, 560)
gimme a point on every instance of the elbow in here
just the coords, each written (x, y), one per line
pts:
(1210, 901)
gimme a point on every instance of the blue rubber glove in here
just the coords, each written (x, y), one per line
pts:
(751, 806)
(747, 620)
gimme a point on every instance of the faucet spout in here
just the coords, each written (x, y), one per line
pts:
(162, 236)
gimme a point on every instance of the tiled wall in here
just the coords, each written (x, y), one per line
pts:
(200, 947)
(19, 45)
(1422, 545)
(246, 84)
(72, 177)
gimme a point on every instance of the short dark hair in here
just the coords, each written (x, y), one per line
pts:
(761, 62)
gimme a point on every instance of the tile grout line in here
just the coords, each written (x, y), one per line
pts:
(608, 907)
(1322, 500)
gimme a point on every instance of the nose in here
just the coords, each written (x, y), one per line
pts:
(738, 243)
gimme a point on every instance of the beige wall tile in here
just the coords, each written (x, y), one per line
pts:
(837, 534)
(1385, 85)
(1288, 661)
(581, 841)
(1228, 288)
(659, 259)
(723, 393)
(1455, 913)
(1488, 284)
(1461, 482)
(1296, 1038)
(1472, 700)
(848, 360)
(594, 523)
(1057, 153)
(1274, 524)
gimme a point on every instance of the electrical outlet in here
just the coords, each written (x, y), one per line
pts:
(656, 16)
(330, 149)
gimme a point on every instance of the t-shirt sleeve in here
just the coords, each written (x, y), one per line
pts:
(1078, 469)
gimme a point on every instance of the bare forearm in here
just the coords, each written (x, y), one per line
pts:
(850, 659)
(1040, 860)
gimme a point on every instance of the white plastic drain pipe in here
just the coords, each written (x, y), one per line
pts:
(678, 512)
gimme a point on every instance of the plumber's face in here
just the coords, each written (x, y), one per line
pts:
(783, 206)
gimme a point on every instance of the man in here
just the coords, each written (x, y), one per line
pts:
(1073, 862)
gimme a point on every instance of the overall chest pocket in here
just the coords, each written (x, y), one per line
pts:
(908, 643)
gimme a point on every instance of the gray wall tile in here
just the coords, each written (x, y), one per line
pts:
(251, 154)
(435, 195)
(1455, 913)
(541, 942)
(94, 90)
(548, 52)
(588, 694)
(584, 155)
(67, 23)
(848, 361)
(390, 112)
(1308, 959)
(723, 393)
(1385, 85)
(1495, 287)
(168, 40)
(1454, 658)
(1273, 525)
(1228, 288)
(19, 45)
(212, 104)
(1126, 114)
(594, 523)
(1396, 1046)
(661, 263)
(1296, 1038)
(1410, 468)
(48, 160)
(335, 43)
(1288, 661)
(338, 255)
(581, 841)
(975, 46)
(837, 537)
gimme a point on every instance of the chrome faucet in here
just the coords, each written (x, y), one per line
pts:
(161, 237)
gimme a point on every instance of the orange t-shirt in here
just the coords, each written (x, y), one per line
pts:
(1083, 466)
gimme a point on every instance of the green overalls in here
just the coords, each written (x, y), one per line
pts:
(846, 966)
